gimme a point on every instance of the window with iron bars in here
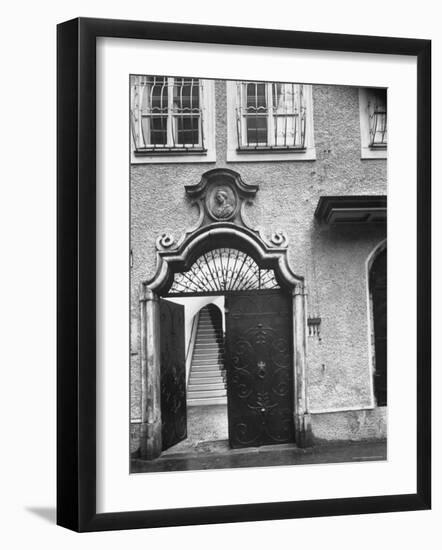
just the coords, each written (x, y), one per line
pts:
(270, 116)
(167, 115)
(377, 113)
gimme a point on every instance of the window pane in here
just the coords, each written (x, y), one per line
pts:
(256, 97)
(285, 98)
(286, 129)
(154, 130)
(186, 95)
(256, 130)
(187, 128)
(157, 100)
(378, 117)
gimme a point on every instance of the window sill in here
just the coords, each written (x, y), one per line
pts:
(170, 151)
(170, 156)
(269, 149)
(373, 152)
(271, 154)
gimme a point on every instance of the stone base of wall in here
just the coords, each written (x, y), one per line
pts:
(134, 437)
(357, 425)
(349, 425)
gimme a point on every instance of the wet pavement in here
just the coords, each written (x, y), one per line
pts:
(205, 423)
(208, 455)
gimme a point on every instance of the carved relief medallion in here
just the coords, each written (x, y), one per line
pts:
(221, 202)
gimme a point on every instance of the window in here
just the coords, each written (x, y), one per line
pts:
(269, 121)
(377, 113)
(168, 116)
(270, 115)
(373, 118)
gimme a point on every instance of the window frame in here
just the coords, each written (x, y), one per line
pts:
(269, 113)
(266, 152)
(369, 151)
(184, 153)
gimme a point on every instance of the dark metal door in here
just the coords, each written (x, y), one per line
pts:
(173, 374)
(378, 284)
(259, 368)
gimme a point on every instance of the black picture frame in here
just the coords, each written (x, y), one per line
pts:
(76, 274)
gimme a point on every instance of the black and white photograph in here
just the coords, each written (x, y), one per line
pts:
(258, 273)
(220, 328)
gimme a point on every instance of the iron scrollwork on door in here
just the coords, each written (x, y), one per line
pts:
(259, 372)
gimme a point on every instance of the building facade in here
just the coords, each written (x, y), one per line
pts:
(289, 180)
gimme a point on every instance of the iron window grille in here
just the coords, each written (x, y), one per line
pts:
(167, 115)
(270, 116)
(377, 113)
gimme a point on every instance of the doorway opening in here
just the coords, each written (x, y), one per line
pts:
(236, 386)
(378, 296)
(206, 384)
(264, 339)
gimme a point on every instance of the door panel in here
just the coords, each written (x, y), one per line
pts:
(259, 368)
(173, 374)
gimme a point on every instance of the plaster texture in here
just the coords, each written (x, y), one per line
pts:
(350, 425)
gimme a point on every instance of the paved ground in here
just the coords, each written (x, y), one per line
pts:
(207, 447)
(217, 455)
(205, 423)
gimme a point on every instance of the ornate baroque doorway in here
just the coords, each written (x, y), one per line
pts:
(265, 323)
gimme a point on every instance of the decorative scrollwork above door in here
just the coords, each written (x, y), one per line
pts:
(223, 270)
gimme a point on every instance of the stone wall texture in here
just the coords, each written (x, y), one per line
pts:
(332, 259)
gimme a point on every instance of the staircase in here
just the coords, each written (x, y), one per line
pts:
(207, 381)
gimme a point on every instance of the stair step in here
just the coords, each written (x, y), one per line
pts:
(207, 368)
(201, 361)
(206, 374)
(207, 401)
(204, 358)
(215, 361)
(207, 344)
(207, 393)
(198, 380)
(205, 387)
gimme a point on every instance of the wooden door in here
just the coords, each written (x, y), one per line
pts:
(259, 368)
(173, 374)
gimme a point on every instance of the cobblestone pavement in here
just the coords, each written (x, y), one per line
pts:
(218, 455)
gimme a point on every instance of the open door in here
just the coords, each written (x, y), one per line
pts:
(259, 368)
(173, 374)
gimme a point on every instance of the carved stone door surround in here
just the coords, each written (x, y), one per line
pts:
(222, 198)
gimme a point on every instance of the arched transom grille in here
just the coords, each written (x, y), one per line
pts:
(223, 270)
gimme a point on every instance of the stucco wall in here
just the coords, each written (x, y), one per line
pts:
(332, 259)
